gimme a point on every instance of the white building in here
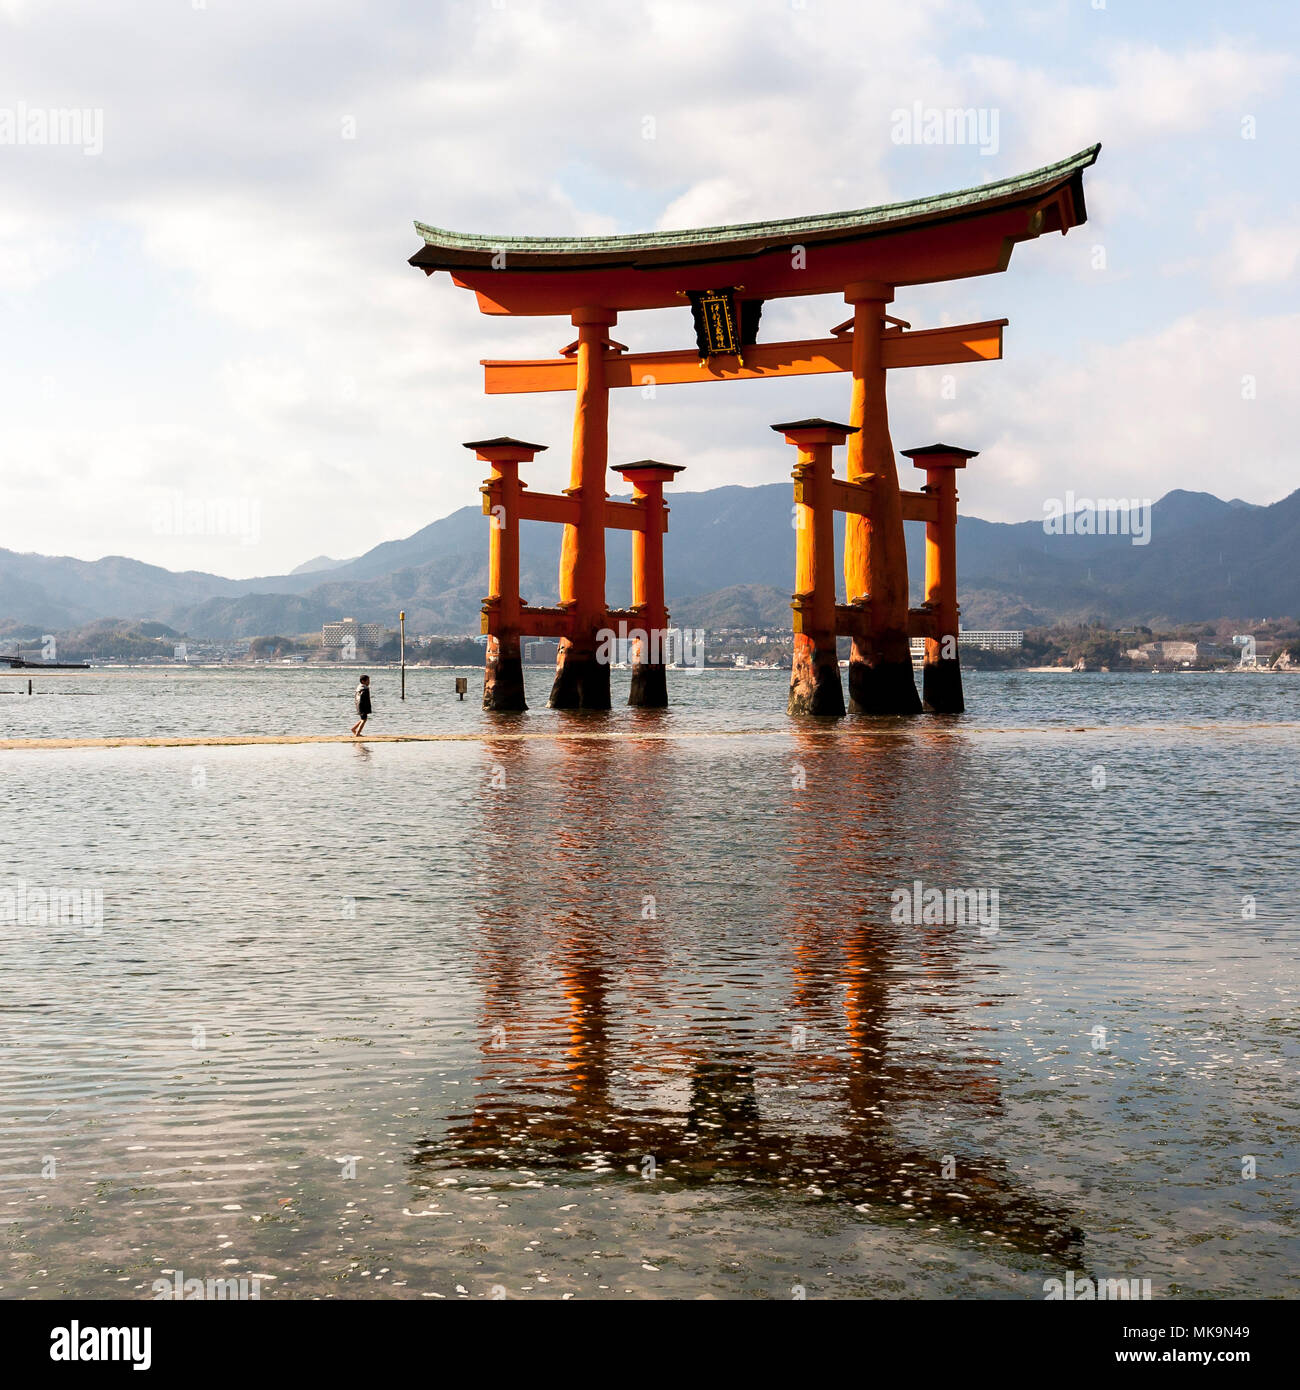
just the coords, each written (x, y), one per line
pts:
(359, 636)
(992, 640)
(541, 652)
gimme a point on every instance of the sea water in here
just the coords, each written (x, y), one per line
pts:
(627, 1009)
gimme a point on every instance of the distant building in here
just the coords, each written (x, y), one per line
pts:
(684, 646)
(993, 640)
(541, 652)
(1174, 651)
(360, 636)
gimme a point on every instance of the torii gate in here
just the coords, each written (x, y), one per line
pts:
(726, 273)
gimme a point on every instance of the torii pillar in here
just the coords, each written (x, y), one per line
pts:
(815, 676)
(649, 672)
(875, 551)
(941, 676)
(503, 674)
(581, 679)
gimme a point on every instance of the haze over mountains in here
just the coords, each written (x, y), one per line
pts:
(729, 557)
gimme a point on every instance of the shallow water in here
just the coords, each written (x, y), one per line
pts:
(632, 1017)
(180, 702)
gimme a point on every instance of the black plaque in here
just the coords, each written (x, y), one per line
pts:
(716, 330)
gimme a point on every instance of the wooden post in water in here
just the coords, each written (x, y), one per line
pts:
(815, 678)
(875, 554)
(503, 672)
(941, 674)
(401, 623)
(649, 675)
(581, 680)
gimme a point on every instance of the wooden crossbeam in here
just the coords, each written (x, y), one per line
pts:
(845, 496)
(856, 498)
(852, 497)
(557, 622)
(533, 622)
(629, 516)
(853, 619)
(920, 506)
(927, 347)
(541, 506)
(556, 507)
(936, 347)
(922, 622)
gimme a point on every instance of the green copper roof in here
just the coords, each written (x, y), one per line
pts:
(967, 200)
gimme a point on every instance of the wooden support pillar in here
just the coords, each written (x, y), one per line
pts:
(941, 674)
(875, 552)
(815, 679)
(649, 671)
(581, 680)
(503, 673)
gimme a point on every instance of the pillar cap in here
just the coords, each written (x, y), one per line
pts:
(940, 456)
(868, 289)
(815, 431)
(649, 470)
(504, 449)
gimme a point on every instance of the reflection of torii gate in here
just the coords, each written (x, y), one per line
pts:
(586, 1042)
(727, 273)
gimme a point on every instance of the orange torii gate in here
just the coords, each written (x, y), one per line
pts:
(726, 273)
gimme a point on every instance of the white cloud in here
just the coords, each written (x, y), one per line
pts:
(298, 359)
(1170, 409)
(30, 251)
(1262, 255)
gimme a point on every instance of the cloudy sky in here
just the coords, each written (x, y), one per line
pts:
(205, 297)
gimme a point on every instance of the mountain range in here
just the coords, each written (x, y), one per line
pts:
(729, 560)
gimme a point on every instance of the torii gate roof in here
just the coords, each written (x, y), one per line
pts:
(944, 237)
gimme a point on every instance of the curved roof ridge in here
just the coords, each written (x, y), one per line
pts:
(747, 231)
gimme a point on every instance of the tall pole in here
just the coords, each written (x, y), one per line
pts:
(401, 621)
(649, 664)
(503, 672)
(581, 681)
(941, 674)
(815, 674)
(875, 552)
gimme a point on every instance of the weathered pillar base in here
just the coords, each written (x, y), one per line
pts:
(581, 681)
(649, 685)
(503, 675)
(941, 682)
(815, 679)
(880, 679)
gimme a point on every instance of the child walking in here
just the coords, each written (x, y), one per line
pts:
(362, 702)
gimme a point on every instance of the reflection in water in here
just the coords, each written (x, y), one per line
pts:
(620, 1036)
